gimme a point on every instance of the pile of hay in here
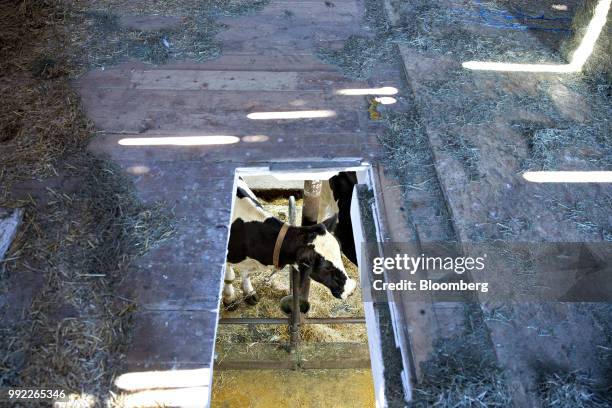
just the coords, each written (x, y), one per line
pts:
(32, 32)
(272, 290)
(40, 122)
(40, 116)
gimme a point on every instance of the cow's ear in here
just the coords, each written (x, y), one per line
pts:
(314, 231)
(331, 223)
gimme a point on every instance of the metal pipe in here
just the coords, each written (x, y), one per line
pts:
(312, 197)
(253, 320)
(334, 320)
(294, 325)
(295, 311)
(310, 216)
(315, 320)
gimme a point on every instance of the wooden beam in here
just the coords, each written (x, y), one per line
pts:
(9, 222)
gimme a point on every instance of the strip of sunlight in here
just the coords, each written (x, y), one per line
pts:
(568, 176)
(164, 379)
(179, 141)
(181, 397)
(385, 90)
(138, 170)
(594, 29)
(255, 138)
(579, 57)
(385, 100)
(292, 115)
(506, 67)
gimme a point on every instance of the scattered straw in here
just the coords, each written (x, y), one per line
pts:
(40, 122)
(409, 160)
(358, 56)
(574, 390)
(73, 248)
(462, 371)
(82, 244)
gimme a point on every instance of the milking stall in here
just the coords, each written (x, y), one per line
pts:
(332, 336)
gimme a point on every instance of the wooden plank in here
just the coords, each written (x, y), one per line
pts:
(9, 222)
(193, 244)
(265, 81)
(241, 154)
(170, 397)
(210, 122)
(268, 60)
(299, 31)
(342, 11)
(172, 286)
(176, 185)
(214, 80)
(153, 169)
(143, 100)
(172, 339)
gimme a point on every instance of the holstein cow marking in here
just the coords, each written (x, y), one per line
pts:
(253, 234)
(342, 186)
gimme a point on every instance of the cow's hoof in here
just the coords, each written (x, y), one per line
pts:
(252, 299)
(304, 306)
(286, 305)
(231, 306)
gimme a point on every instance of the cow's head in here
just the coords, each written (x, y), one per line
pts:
(322, 256)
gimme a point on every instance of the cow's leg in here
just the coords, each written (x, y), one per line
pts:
(229, 295)
(250, 296)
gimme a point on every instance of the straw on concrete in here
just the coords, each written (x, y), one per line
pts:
(82, 244)
(462, 371)
(574, 390)
(77, 246)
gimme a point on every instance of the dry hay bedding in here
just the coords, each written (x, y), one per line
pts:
(272, 289)
(77, 245)
(81, 244)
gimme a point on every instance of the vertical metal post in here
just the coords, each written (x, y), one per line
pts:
(312, 196)
(294, 326)
(295, 311)
(310, 215)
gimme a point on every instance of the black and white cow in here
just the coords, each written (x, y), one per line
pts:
(342, 186)
(253, 234)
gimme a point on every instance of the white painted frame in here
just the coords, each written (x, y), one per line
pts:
(365, 176)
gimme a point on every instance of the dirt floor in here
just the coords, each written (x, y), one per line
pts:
(287, 388)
